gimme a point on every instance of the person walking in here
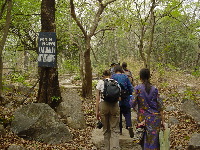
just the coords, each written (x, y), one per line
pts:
(112, 67)
(127, 72)
(127, 89)
(149, 111)
(108, 113)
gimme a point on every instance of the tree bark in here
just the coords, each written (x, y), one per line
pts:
(141, 46)
(87, 76)
(152, 25)
(3, 41)
(49, 90)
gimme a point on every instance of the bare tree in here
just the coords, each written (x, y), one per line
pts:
(86, 71)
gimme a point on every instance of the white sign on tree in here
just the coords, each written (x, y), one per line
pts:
(47, 49)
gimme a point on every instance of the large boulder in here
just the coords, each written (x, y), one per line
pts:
(16, 147)
(38, 121)
(191, 108)
(194, 143)
(71, 109)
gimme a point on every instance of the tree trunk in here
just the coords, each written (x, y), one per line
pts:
(26, 60)
(152, 23)
(87, 70)
(49, 90)
(141, 46)
(3, 41)
(87, 76)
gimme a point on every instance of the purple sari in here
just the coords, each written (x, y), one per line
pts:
(149, 107)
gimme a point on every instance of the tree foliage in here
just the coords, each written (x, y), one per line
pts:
(124, 30)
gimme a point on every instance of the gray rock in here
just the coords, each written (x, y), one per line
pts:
(191, 108)
(194, 143)
(71, 109)
(125, 142)
(2, 130)
(170, 108)
(16, 147)
(173, 120)
(39, 122)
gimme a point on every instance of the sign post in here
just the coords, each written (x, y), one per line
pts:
(47, 49)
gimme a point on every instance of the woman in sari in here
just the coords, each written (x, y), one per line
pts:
(149, 111)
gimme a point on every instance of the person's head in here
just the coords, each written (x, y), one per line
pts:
(106, 73)
(144, 74)
(144, 77)
(118, 68)
(124, 65)
(113, 65)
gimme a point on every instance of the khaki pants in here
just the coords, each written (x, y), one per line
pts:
(110, 118)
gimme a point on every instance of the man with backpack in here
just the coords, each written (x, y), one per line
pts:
(107, 110)
(126, 91)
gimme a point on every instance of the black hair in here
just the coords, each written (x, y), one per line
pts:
(124, 65)
(106, 73)
(145, 77)
(112, 64)
(118, 68)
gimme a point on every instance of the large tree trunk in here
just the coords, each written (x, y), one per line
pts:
(3, 41)
(49, 90)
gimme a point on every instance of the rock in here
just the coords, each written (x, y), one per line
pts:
(173, 120)
(163, 97)
(194, 143)
(38, 121)
(191, 108)
(181, 90)
(16, 147)
(2, 130)
(170, 108)
(71, 109)
(125, 142)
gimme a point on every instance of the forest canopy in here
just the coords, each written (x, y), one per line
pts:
(167, 31)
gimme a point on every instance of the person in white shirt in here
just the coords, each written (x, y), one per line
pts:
(108, 113)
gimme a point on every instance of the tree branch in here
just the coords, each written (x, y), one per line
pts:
(98, 16)
(73, 14)
(28, 14)
(2, 9)
(103, 30)
(111, 1)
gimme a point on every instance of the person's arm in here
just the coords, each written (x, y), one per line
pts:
(135, 99)
(129, 86)
(97, 104)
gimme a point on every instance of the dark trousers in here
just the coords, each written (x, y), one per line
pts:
(126, 112)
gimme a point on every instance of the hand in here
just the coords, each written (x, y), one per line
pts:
(120, 98)
(98, 116)
(162, 125)
(141, 124)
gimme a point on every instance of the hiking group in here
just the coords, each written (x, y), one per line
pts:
(117, 96)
